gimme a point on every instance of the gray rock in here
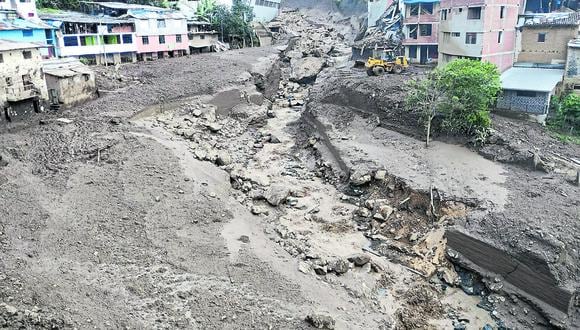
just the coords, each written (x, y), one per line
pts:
(340, 266)
(276, 194)
(3, 162)
(304, 267)
(359, 178)
(306, 69)
(214, 127)
(223, 159)
(244, 239)
(359, 259)
(320, 270)
(320, 321)
(196, 112)
(274, 139)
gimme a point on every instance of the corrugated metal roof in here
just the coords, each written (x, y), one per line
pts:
(13, 45)
(65, 67)
(76, 17)
(531, 79)
(148, 14)
(127, 6)
(22, 24)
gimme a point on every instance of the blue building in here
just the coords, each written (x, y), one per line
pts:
(15, 28)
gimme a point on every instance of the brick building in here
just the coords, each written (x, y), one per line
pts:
(421, 28)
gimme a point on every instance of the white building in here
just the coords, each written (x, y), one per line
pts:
(25, 8)
(265, 10)
(22, 86)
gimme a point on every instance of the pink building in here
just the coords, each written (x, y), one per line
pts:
(421, 27)
(478, 29)
(159, 32)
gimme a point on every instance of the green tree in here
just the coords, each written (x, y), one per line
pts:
(567, 114)
(234, 24)
(464, 90)
(425, 96)
(205, 7)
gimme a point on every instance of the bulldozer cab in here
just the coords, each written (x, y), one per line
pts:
(383, 54)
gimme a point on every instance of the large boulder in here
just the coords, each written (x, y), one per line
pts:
(320, 321)
(276, 194)
(306, 69)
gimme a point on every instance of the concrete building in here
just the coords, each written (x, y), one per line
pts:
(421, 28)
(529, 90)
(202, 38)
(22, 86)
(69, 82)
(543, 38)
(478, 29)
(265, 10)
(24, 8)
(93, 39)
(572, 74)
(159, 32)
(15, 28)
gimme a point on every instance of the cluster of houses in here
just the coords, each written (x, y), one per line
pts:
(43, 53)
(534, 43)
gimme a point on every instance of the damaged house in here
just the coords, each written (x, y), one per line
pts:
(69, 82)
(421, 26)
(22, 86)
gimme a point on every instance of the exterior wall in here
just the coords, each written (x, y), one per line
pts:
(488, 46)
(26, 9)
(572, 75)
(538, 105)
(412, 21)
(73, 90)
(553, 50)
(265, 10)
(170, 44)
(98, 48)
(13, 67)
(38, 37)
(196, 41)
(148, 28)
(376, 8)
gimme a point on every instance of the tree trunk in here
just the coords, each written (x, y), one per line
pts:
(428, 132)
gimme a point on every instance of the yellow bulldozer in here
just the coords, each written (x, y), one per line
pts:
(384, 61)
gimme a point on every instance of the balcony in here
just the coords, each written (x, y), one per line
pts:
(22, 92)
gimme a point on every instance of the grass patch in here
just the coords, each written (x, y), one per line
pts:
(574, 139)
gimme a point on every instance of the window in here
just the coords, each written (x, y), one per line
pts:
(427, 8)
(577, 87)
(456, 34)
(446, 36)
(27, 54)
(413, 10)
(1, 58)
(474, 13)
(413, 31)
(71, 41)
(30, 14)
(27, 33)
(145, 40)
(111, 40)
(8, 81)
(161, 39)
(526, 93)
(502, 12)
(444, 14)
(460, 10)
(178, 38)
(541, 37)
(471, 38)
(88, 40)
(499, 37)
(127, 39)
(160, 23)
(425, 30)
(413, 51)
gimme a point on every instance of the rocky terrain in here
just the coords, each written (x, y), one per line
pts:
(279, 188)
